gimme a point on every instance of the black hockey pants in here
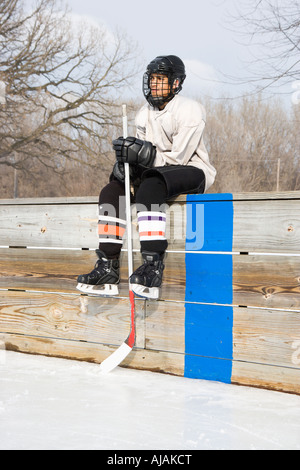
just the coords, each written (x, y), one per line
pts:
(157, 186)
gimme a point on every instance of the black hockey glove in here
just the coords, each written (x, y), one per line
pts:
(134, 151)
(119, 172)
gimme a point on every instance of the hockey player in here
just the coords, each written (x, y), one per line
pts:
(167, 158)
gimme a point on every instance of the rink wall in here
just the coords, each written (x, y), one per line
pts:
(230, 302)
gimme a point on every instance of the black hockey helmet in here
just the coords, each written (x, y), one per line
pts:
(171, 66)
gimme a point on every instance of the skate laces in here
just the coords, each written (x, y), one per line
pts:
(148, 267)
(102, 265)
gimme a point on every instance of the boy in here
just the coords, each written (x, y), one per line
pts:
(167, 158)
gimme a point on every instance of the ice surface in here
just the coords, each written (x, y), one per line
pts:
(49, 403)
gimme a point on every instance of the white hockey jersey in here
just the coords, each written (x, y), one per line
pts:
(177, 133)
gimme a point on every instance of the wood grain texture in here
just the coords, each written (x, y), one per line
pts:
(258, 280)
(271, 226)
(72, 225)
(69, 317)
(266, 336)
(165, 326)
(49, 225)
(267, 281)
(282, 379)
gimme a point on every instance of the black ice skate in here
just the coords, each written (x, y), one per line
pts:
(104, 278)
(147, 279)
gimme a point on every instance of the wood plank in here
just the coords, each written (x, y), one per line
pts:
(72, 225)
(282, 379)
(259, 225)
(250, 196)
(155, 361)
(271, 226)
(261, 195)
(267, 281)
(35, 201)
(57, 270)
(259, 335)
(258, 280)
(69, 317)
(165, 326)
(266, 336)
(52, 270)
(67, 226)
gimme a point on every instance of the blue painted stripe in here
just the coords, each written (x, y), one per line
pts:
(208, 368)
(208, 278)
(209, 197)
(210, 216)
(208, 328)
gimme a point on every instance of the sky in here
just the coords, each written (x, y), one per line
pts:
(198, 31)
(201, 32)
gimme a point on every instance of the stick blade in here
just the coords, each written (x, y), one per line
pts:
(112, 361)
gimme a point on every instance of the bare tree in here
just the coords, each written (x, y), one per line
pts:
(247, 139)
(272, 32)
(63, 80)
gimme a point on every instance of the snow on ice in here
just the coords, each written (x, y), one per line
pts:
(49, 403)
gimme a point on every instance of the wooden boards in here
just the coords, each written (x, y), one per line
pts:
(230, 304)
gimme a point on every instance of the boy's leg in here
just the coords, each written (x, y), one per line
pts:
(112, 219)
(151, 207)
(150, 199)
(105, 276)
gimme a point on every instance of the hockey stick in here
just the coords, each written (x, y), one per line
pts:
(119, 355)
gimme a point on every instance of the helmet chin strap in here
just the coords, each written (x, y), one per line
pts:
(161, 101)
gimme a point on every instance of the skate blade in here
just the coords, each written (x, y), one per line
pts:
(107, 290)
(145, 292)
